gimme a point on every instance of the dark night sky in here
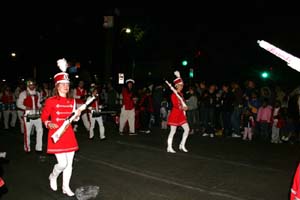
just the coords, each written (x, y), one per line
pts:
(226, 41)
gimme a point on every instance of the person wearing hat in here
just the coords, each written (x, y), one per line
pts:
(177, 116)
(55, 111)
(95, 115)
(128, 108)
(29, 101)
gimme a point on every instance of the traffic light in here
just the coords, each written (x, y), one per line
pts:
(265, 74)
(191, 73)
(184, 63)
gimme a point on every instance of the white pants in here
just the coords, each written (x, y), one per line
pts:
(99, 120)
(6, 115)
(247, 133)
(127, 115)
(29, 125)
(65, 165)
(186, 130)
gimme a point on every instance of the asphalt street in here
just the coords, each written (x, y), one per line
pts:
(139, 168)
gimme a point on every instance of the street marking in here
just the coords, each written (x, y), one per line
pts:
(118, 167)
(188, 155)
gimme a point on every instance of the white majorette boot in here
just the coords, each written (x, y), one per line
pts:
(53, 179)
(170, 150)
(66, 181)
(182, 148)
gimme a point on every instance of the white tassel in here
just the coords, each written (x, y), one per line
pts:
(62, 64)
(177, 74)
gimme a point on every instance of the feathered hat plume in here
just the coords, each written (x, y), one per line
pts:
(177, 74)
(62, 64)
(178, 80)
(62, 77)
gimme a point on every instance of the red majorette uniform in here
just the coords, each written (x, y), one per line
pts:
(58, 109)
(177, 116)
(295, 190)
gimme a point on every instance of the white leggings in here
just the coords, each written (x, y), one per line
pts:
(64, 164)
(186, 130)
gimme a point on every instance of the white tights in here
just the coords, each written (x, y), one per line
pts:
(186, 130)
(64, 164)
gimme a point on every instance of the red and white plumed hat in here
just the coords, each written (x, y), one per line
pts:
(177, 80)
(62, 77)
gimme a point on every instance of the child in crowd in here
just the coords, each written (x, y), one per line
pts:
(248, 124)
(277, 123)
(264, 117)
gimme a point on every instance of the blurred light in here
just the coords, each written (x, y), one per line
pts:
(76, 76)
(13, 54)
(191, 73)
(265, 74)
(184, 63)
(128, 30)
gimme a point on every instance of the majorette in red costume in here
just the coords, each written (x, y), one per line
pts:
(63, 107)
(177, 115)
(56, 110)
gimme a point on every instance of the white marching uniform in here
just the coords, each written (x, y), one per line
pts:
(29, 101)
(95, 108)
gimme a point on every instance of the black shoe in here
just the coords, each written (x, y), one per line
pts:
(38, 152)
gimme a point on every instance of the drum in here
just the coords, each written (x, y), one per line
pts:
(33, 115)
(12, 106)
(5, 106)
(96, 114)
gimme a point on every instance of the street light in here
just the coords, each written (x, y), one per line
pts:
(126, 30)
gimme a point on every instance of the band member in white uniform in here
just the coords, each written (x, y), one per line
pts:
(29, 101)
(95, 115)
(9, 108)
